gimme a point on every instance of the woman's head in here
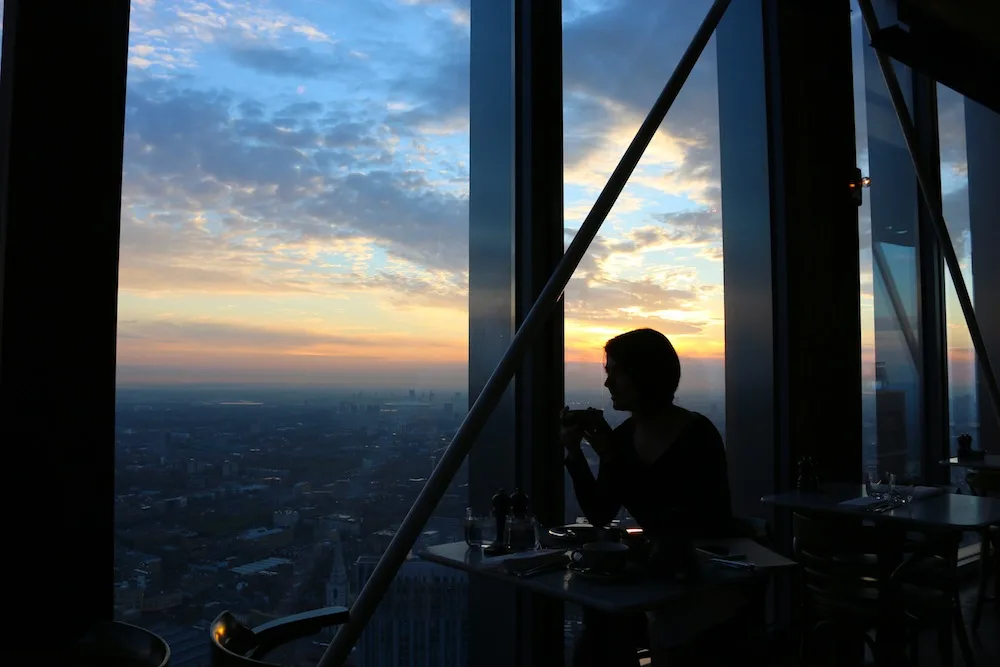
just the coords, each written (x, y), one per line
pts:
(643, 370)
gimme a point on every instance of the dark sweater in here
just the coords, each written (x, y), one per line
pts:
(684, 493)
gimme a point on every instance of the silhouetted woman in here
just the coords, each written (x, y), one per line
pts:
(667, 467)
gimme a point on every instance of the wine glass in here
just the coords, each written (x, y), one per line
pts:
(873, 482)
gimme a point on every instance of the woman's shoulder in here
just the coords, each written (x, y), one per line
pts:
(701, 420)
(701, 428)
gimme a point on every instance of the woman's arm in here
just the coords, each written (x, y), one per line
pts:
(598, 498)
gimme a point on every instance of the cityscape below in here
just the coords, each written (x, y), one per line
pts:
(272, 501)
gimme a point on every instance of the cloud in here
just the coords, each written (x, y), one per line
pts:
(234, 335)
(166, 37)
(364, 190)
(298, 62)
(305, 174)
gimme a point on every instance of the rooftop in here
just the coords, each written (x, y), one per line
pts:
(260, 566)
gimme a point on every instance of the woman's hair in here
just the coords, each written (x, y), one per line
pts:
(650, 362)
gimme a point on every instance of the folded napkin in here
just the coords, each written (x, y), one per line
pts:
(524, 559)
(919, 492)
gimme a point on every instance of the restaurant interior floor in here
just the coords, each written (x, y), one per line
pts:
(985, 643)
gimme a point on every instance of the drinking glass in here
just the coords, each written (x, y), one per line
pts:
(890, 485)
(905, 493)
(873, 480)
(541, 533)
(903, 489)
(480, 531)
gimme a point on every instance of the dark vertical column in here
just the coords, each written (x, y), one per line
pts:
(791, 252)
(817, 320)
(515, 242)
(790, 238)
(539, 247)
(493, 617)
(982, 130)
(62, 110)
(933, 313)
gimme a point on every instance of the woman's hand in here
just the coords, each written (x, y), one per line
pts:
(600, 436)
(570, 432)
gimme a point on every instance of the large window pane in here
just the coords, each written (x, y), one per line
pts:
(293, 318)
(962, 396)
(890, 287)
(658, 260)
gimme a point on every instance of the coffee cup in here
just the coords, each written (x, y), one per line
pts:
(609, 557)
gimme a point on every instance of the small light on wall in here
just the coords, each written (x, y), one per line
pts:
(857, 184)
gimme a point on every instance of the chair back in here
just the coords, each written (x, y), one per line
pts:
(845, 563)
(236, 645)
(232, 643)
(985, 483)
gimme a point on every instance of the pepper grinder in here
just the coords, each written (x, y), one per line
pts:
(518, 504)
(501, 506)
(964, 445)
(520, 527)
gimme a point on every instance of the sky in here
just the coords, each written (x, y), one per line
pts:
(295, 191)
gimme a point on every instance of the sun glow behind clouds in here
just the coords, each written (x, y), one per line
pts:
(295, 188)
(293, 209)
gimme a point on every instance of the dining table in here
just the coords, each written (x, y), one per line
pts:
(625, 596)
(939, 511)
(988, 462)
(932, 512)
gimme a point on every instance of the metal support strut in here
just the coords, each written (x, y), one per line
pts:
(905, 327)
(402, 542)
(933, 207)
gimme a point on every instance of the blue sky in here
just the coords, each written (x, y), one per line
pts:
(296, 183)
(295, 190)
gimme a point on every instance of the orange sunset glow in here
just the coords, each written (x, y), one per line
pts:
(283, 225)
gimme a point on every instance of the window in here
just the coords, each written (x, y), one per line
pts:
(891, 324)
(657, 261)
(963, 404)
(292, 332)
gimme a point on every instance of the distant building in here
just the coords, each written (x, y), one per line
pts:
(421, 622)
(264, 565)
(338, 584)
(344, 524)
(266, 538)
(890, 409)
(285, 519)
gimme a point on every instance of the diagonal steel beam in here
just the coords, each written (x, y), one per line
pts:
(404, 539)
(897, 303)
(933, 207)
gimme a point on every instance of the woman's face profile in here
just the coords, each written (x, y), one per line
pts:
(623, 392)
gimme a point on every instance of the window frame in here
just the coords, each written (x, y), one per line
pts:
(515, 180)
